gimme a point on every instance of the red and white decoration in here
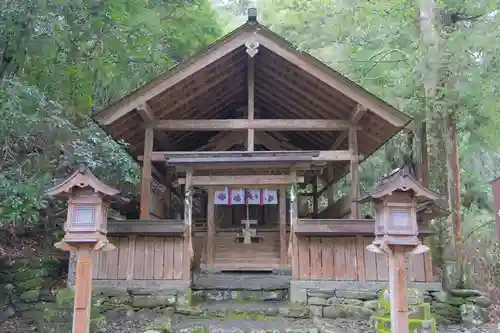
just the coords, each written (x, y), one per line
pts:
(246, 197)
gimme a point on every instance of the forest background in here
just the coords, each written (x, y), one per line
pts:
(438, 61)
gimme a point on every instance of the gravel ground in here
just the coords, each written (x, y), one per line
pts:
(138, 323)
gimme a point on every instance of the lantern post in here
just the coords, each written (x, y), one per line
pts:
(396, 199)
(84, 231)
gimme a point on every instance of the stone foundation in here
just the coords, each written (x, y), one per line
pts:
(302, 290)
(345, 299)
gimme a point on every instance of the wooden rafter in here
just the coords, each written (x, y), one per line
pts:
(335, 80)
(174, 76)
(226, 77)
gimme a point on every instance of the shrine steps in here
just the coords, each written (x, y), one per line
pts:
(240, 287)
(246, 321)
(230, 255)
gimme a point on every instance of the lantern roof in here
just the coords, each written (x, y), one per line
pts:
(82, 178)
(400, 180)
(432, 209)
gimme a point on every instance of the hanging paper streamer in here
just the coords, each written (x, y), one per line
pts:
(254, 197)
(270, 197)
(246, 197)
(221, 197)
(237, 197)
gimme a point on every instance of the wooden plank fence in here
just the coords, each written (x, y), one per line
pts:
(346, 258)
(142, 258)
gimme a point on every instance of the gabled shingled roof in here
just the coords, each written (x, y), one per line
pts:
(288, 84)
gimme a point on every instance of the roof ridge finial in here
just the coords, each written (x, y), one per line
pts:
(252, 15)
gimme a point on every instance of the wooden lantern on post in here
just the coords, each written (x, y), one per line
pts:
(396, 199)
(85, 231)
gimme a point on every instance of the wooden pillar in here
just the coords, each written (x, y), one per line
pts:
(294, 208)
(146, 175)
(315, 196)
(131, 257)
(283, 240)
(398, 290)
(354, 171)
(251, 102)
(429, 274)
(210, 255)
(331, 187)
(188, 215)
(83, 289)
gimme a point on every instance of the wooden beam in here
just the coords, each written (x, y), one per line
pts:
(251, 102)
(354, 119)
(146, 175)
(340, 227)
(322, 155)
(243, 180)
(256, 124)
(354, 172)
(210, 246)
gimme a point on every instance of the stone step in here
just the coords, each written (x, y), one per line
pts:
(244, 325)
(231, 309)
(211, 295)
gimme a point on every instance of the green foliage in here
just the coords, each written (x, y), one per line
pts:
(378, 44)
(61, 59)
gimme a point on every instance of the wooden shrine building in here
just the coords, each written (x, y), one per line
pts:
(233, 131)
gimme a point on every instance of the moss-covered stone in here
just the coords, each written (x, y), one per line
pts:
(189, 310)
(30, 273)
(481, 301)
(347, 311)
(30, 296)
(31, 284)
(465, 293)
(294, 311)
(150, 301)
(383, 325)
(473, 314)
(445, 310)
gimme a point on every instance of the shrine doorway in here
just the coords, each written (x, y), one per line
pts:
(247, 234)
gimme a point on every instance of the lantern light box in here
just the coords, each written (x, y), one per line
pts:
(396, 199)
(88, 204)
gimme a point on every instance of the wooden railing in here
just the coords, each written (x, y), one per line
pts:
(335, 249)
